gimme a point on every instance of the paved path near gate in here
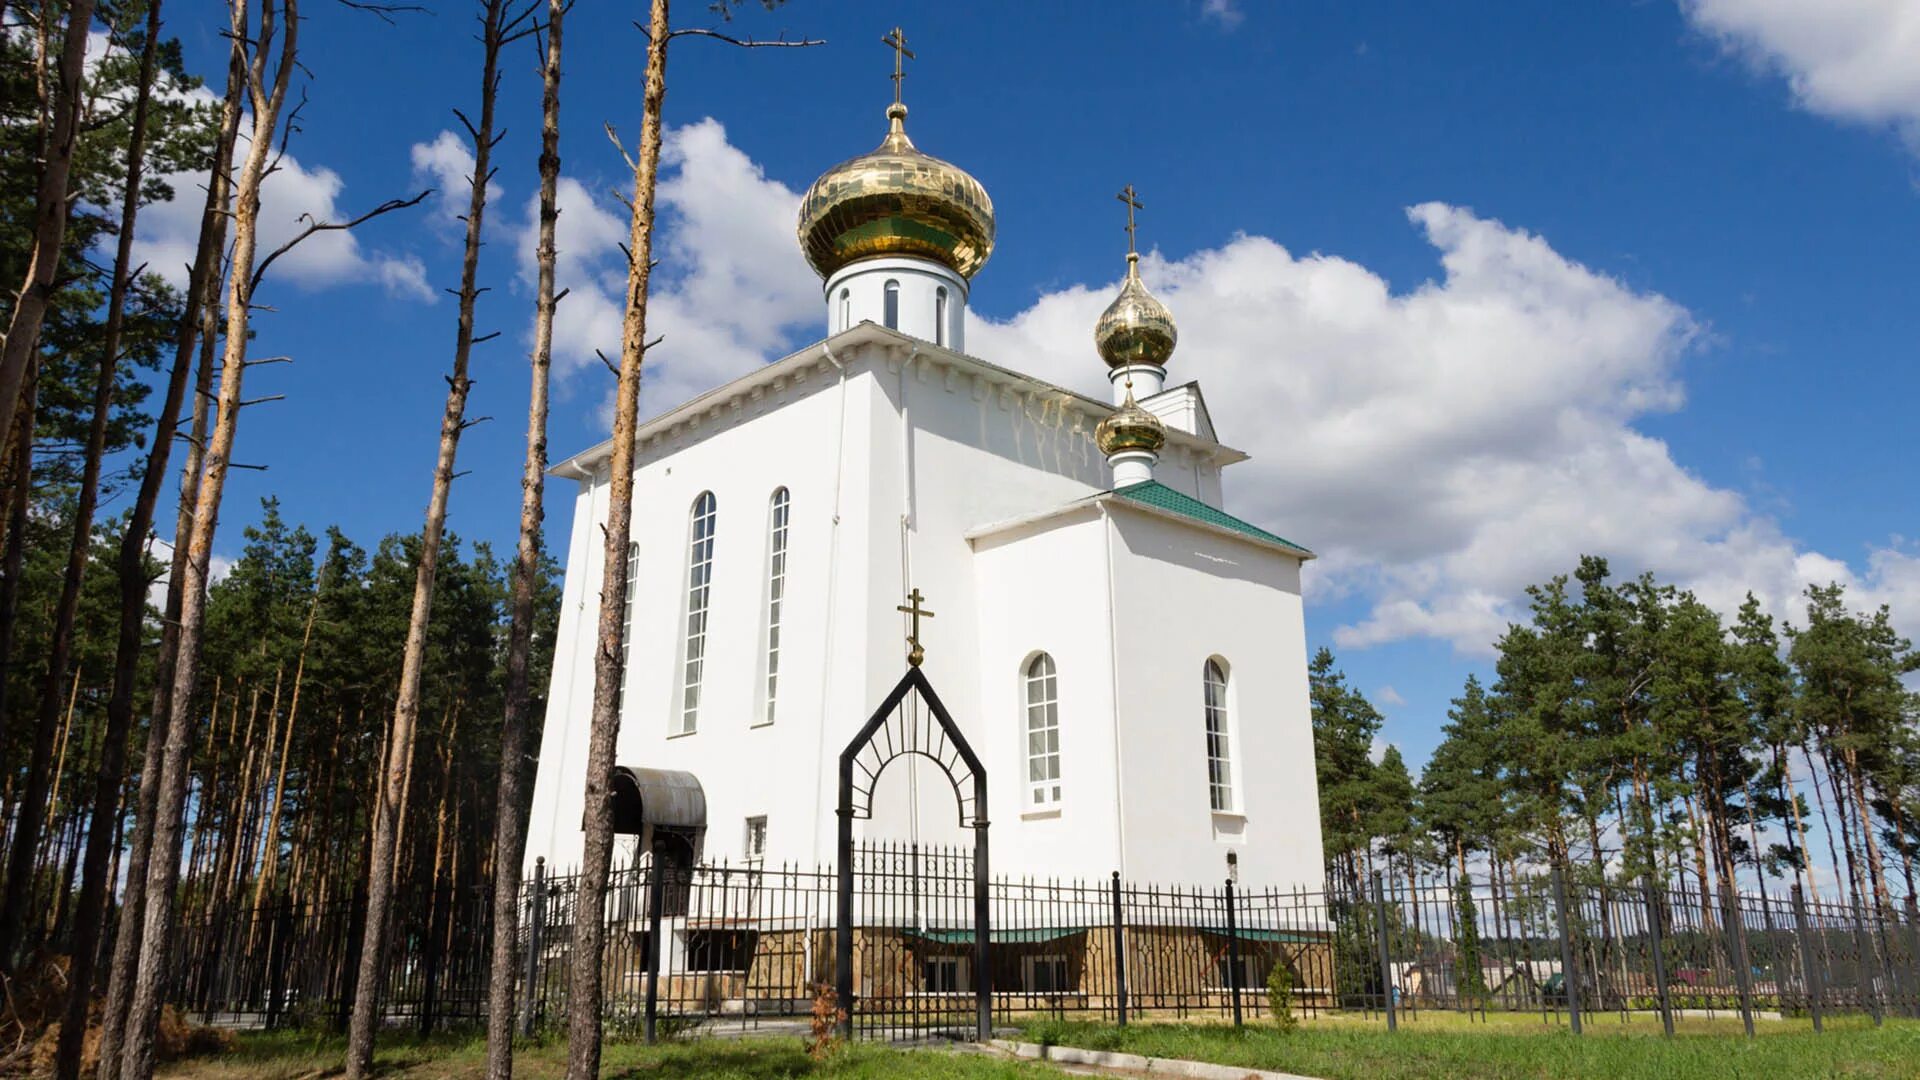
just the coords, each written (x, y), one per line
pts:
(1111, 1063)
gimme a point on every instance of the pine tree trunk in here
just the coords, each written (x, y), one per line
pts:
(270, 849)
(199, 321)
(164, 863)
(386, 823)
(51, 206)
(589, 926)
(20, 870)
(518, 745)
(18, 502)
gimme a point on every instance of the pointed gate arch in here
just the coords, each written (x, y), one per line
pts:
(895, 730)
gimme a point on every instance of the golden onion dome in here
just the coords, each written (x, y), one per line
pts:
(1130, 427)
(896, 201)
(1136, 328)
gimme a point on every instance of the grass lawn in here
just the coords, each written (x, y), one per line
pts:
(1445, 1045)
(290, 1056)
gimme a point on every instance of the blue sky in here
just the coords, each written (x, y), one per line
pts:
(1481, 287)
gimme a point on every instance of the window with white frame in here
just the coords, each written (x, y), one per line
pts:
(756, 840)
(944, 974)
(778, 509)
(1044, 974)
(626, 627)
(940, 315)
(846, 308)
(891, 312)
(1043, 732)
(699, 589)
(1219, 752)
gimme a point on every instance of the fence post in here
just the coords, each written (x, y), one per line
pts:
(1810, 971)
(1657, 935)
(1386, 955)
(1737, 952)
(1233, 955)
(1913, 957)
(1889, 982)
(1119, 950)
(536, 930)
(656, 899)
(349, 961)
(1864, 941)
(1569, 974)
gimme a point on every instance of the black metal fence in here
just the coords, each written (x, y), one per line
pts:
(721, 945)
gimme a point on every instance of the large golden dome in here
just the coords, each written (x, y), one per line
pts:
(896, 201)
(1136, 328)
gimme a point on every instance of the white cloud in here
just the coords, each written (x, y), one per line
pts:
(1441, 447)
(1225, 12)
(731, 285)
(1446, 446)
(1388, 696)
(1848, 59)
(446, 164)
(169, 232)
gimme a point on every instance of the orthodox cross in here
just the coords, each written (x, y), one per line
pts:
(912, 608)
(897, 41)
(1133, 202)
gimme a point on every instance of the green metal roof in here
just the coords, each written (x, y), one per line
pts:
(1027, 935)
(1158, 495)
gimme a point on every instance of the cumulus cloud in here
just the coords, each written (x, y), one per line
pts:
(1446, 446)
(170, 231)
(731, 288)
(446, 165)
(1225, 12)
(1847, 59)
(1441, 447)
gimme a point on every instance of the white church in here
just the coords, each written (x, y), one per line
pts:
(1126, 658)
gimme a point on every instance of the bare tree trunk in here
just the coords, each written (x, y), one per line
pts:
(270, 850)
(164, 862)
(589, 924)
(497, 27)
(199, 321)
(20, 499)
(517, 745)
(51, 206)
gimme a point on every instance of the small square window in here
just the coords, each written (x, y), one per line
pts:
(756, 845)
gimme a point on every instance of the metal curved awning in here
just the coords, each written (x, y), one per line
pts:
(667, 798)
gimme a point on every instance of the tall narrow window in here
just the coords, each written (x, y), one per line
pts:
(846, 308)
(1043, 733)
(777, 513)
(699, 586)
(1219, 755)
(892, 310)
(756, 842)
(626, 621)
(940, 315)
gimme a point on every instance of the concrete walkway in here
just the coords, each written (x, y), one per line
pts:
(1111, 1063)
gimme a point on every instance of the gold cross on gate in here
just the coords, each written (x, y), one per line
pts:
(1133, 203)
(897, 41)
(912, 608)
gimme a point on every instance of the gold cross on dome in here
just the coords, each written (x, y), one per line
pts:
(912, 607)
(897, 41)
(1133, 202)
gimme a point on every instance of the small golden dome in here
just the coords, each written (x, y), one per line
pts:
(896, 201)
(1135, 328)
(1130, 427)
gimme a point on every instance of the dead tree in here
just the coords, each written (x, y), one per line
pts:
(499, 26)
(20, 871)
(51, 207)
(589, 925)
(517, 748)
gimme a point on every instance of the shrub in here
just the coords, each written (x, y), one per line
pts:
(1280, 997)
(824, 1035)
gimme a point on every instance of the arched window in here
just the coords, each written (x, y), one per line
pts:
(1219, 754)
(626, 621)
(846, 308)
(699, 587)
(777, 513)
(891, 313)
(1043, 732)
(940, 315)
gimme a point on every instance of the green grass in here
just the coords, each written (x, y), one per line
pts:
(293, 1056)
(1442, 1045)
